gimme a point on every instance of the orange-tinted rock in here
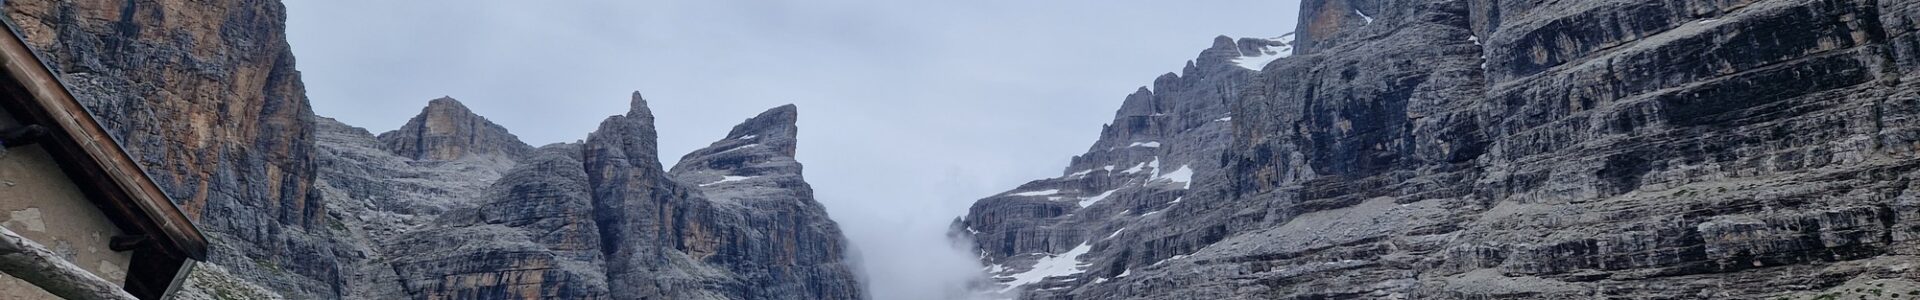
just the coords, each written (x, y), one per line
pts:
(205, 96)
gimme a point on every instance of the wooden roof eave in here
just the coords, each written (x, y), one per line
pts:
(90, 154)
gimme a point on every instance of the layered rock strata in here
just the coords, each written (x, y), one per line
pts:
(1531, 150)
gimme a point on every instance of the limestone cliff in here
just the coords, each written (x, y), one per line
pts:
(1533, 149)
(205, 95)
(775, 238)
(1161, 142)
(733, 221)
(600, 219)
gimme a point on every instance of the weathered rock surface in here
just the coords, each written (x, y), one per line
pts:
(451, 206)
(1532, 149)
(375, 197)
(205, 95)
(733, 221)
(447, 130)
(600, 219)
(1161, 142)
(773, 238)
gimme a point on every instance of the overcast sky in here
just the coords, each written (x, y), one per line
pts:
(909, 110)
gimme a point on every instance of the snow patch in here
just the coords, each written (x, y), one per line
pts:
(1064, 264)
(1143, 167)
(1038, 193)
(1145, 144)
(1183, 175)
(741, 147)
(1363, 15)
(1089, 201)
(726, 179)
(1174, 258)
(1225, 119)
(1115, 232)
(1267, 54)
(749, 137)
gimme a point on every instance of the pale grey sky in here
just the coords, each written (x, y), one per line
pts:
(909, 110)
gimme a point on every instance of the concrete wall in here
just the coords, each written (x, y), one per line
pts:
(39, 202)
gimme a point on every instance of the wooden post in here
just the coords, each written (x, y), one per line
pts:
(24, 259)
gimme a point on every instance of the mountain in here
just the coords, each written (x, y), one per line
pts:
(447, 130)
(483, 216)
(1162, 141)
(1525, 149)
(205, 94)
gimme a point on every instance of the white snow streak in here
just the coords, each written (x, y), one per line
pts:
(1089, 201)
(1064, 264)
(1038, 193)
(726, 179)
(1143, 167)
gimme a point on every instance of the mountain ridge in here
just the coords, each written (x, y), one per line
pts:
(1519, 150)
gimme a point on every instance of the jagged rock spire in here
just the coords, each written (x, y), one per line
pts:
(638, 107)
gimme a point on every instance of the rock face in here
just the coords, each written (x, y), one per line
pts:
(1162, 141)
(732, 221)
(376, 197)
(1526, 149)
(447, 130)
(601, 219)
(532, 238)
(451, 206)
(772, 240)
(205, 95)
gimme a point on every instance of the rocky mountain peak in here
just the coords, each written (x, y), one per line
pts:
(448, 130)
(760, 149)
(776, 128)
(1223, 42)
(638, 107)
(447, 103)
(1215, 59)
(1256, 53)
